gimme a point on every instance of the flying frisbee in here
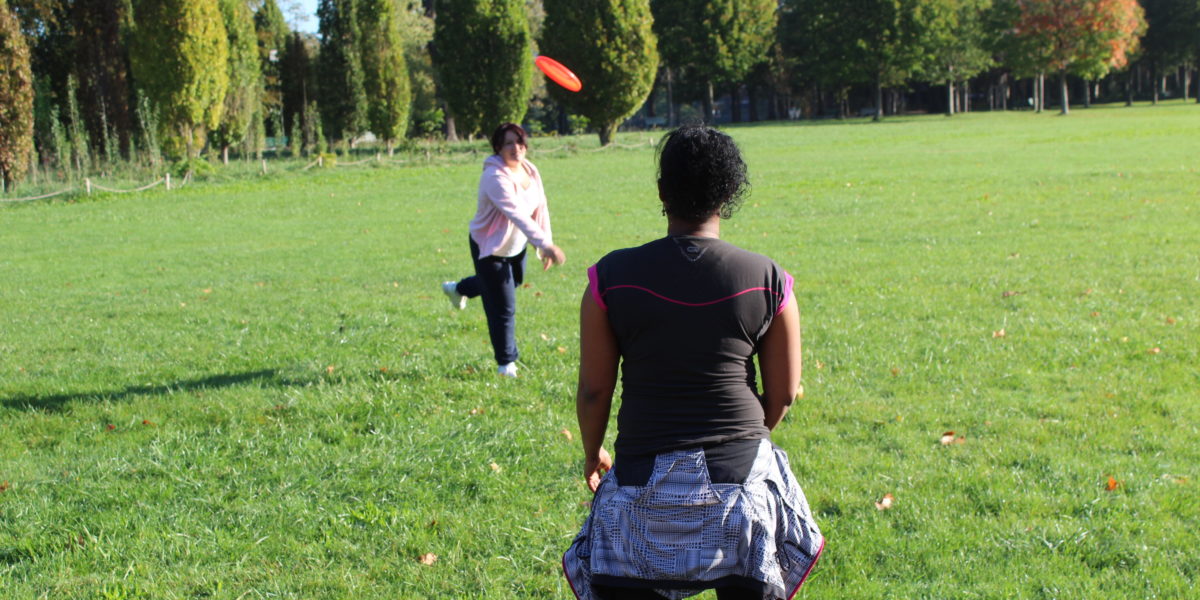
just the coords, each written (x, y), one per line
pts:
(558, 73)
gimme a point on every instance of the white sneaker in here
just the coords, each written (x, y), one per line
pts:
(457, 300)
(509, 370)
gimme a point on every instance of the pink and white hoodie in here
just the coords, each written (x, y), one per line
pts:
(507, 216)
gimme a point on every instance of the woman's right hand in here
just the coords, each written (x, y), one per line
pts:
(595, 467)
(551, 255)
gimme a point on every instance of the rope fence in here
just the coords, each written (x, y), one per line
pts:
(89, 186)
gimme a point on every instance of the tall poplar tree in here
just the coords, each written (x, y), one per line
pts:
(101, 65)
(272, 32)
(385, 71)
(343, 89)
(483, 61)
(180, 55)
(16, 99)
(610, 45)
(715, 41)
(244, 95)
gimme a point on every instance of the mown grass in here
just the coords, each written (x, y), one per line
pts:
(254, 388)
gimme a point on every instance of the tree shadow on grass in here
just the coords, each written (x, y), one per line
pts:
(56, 402)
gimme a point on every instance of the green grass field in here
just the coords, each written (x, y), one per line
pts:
(255, 389)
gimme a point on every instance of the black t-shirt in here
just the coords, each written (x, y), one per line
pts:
(688, 314)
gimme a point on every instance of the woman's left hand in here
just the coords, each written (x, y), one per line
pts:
(594, 468)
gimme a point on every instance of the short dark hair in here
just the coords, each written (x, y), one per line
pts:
(700, 172)
(501, 131)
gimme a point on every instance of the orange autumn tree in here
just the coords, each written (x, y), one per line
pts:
(1080, 37)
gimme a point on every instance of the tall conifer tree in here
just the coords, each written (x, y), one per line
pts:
(244, 95)
(179, 55)
(385, 70)
(16, 99)
(611, 46)
(484, 61)
(343, 90)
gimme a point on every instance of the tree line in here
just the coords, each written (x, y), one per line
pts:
(85, 83)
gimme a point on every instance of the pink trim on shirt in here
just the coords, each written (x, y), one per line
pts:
(594, 287)
(787, 292)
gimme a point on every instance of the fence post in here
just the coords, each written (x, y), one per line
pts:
(320, 161)
(264, 162)
(168, 178)
(87, 181)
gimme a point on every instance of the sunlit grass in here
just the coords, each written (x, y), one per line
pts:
(254, 387)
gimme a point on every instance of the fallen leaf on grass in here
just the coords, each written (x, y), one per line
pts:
(428, 558)
(820, 365)
(110, 427)
(895, 371)
(1010, 293)
(1095, 313)
(207, 290)
(527, 285)
(495, 467)
(567, 434)
(1154, 350)
(1112, 484)
(147, 422)
(3, 487)
(885, 502)
(475, 411)
(545, 338)
(999, 334)
(329, 369)
(948, 438)
(537, 294)
(1170, 320)
(561, 349)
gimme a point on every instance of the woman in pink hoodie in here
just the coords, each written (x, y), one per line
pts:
(511, 212)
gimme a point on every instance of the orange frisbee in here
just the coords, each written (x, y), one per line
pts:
(558, 73)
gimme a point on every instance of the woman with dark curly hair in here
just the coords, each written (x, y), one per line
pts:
(699, 497)
(511, 211)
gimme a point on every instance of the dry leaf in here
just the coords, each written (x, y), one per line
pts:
(885, 502)
(1170, 321)
(895, 371)
(527, 285)
(475, 411)
(329, 369)
(1095, 314)
(537, 294)
(545, 338)
(1112, 484)
(948, 438)
(428, 558)
(147, 422)
(999, 334)
(110, 427)
(495, 467)
(1154, 350)
(561, 349)
(567, 434)
(3, 487)
(207, 290)
(1009, 293)
(820, 365)
(383, 369)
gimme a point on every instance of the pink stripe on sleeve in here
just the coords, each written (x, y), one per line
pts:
(788, 281)
(594, 288)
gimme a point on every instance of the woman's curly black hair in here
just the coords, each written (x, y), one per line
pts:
(700, 172)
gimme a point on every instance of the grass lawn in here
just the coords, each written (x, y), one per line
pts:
(255, 389)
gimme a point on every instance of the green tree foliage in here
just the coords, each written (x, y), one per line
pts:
(426, 115)
(385, 71)
(610, 45)
(484, 61)
(244, 94)
(272, 32)
(16, 99)
(180, 55)
(714, 42)
(955, 36)
(298, 75)
(343, 86)
(1172, 36)
(98, 38)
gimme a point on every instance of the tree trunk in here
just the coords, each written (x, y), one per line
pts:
(451, 130)
(735, 104)
(1062, 91)
(708, 104)
(1187, 83)
(965, 107)
(1154, 83)
(878, 98)
(606, 131)
(672, 119)
(1087, 94)
(949, 98)
(225, 154)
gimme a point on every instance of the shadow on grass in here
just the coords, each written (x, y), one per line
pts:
(56, 402)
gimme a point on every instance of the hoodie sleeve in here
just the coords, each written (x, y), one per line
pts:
(501, 191)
